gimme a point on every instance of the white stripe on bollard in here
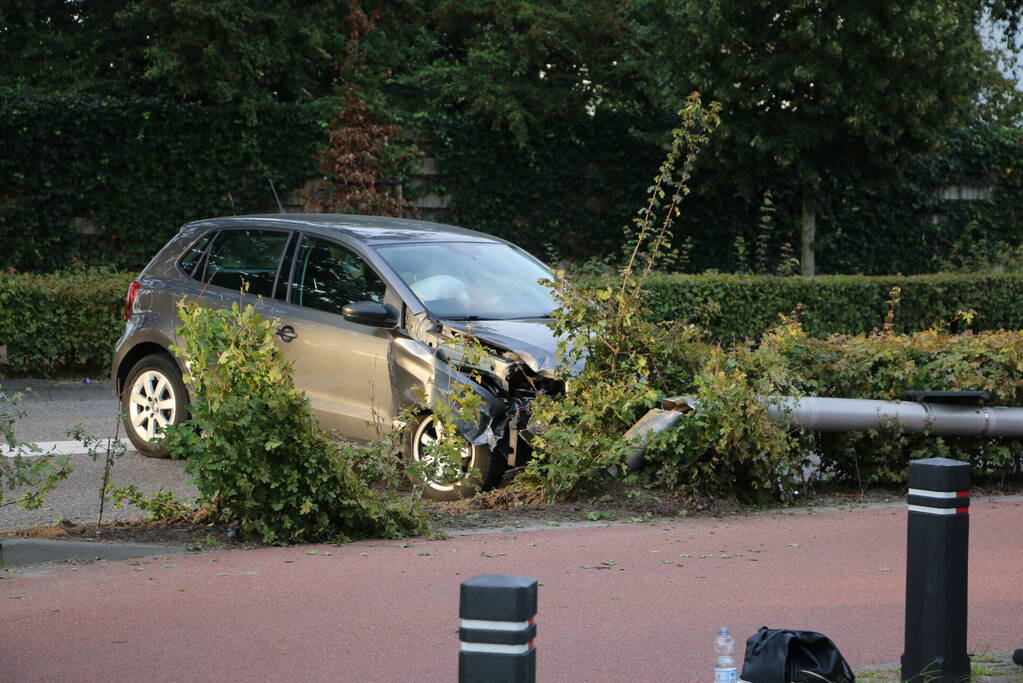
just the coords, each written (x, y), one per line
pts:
(493, 648)
(495, 625)
(930, 510)
(935, 494)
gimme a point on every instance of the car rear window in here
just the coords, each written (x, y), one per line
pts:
(191, 258)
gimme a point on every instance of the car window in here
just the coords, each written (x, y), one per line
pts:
(328, 276)
(238, 257)
(191, 257)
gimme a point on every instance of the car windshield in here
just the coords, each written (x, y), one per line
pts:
(472, 280)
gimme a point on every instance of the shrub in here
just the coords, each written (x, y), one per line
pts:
(615, 360)
(68, 320)
(625, 344)
(261, 460)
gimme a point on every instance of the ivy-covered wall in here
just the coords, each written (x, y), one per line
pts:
(570, 192)
(107, 181)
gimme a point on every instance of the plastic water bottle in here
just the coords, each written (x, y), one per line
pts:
(725, 670)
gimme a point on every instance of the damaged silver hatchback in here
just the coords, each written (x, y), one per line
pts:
(366, 307)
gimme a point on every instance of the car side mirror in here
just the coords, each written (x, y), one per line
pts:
(370, 313)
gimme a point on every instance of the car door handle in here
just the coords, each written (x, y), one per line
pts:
(286, 333)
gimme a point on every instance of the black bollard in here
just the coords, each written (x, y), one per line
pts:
(936, 567)
(498, 615)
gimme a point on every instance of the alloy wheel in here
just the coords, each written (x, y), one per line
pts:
(151, 404)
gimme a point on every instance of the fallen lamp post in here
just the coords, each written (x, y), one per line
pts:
(950, 413)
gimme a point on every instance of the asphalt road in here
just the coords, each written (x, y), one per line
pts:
(617, 602)
(47, 412)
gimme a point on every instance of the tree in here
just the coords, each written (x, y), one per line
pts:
(358, 153)
(248, 52)
(71, 46)
(515, 64)
(217, 51)
(809, 87)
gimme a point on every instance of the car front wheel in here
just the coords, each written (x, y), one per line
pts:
(441, 478)
(154, 397)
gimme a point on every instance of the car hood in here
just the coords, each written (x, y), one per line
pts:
(532, 340)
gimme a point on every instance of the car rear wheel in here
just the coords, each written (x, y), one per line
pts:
(154, 397)
(480, 468)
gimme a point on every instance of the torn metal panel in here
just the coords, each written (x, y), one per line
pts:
(530, 341)
(427, 368)
(421, 375)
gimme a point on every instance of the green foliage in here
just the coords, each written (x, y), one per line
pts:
(161, 505)
(614, 359)
(220, 51)
(457, 414)
(565, 194)
(540, 112)
(24, 468)
(617, 361)
(53, 324)
(109, 181)
(799, 81)
(726, 445)
(254, 448)
(110, 451)
(733, 307)
(516, 66)
(69, 321)
(62, 46)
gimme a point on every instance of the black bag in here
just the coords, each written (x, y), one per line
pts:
(778, 655)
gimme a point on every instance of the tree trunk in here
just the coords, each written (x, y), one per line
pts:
(808, 267)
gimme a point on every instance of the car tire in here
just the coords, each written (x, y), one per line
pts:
(154, 396)
(482, 468)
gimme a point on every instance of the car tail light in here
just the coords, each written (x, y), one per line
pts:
(129, 301)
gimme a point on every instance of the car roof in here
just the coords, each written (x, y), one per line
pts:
(370, 230)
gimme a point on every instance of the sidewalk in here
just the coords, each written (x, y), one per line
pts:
(617, 603)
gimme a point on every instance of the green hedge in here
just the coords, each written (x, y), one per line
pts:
(52, 324)
(59, 323)
(728, 447)
(736, 306)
